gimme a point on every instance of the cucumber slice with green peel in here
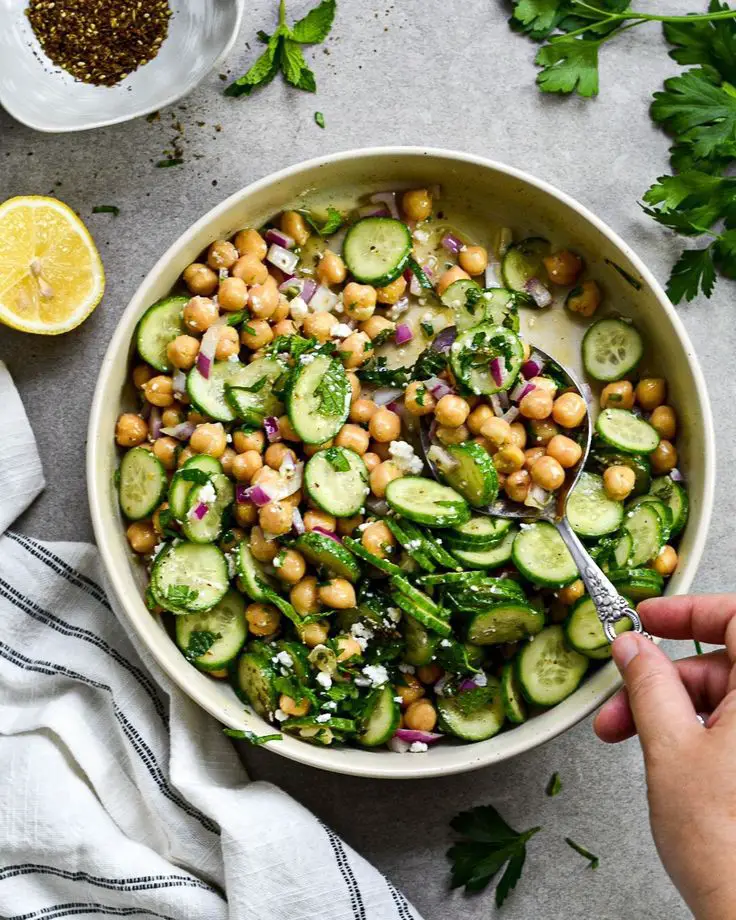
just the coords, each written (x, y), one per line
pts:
(377, 249)
(417, 597)
(476, 352)
(434, 548)
(507, 622)
(603, 456)
(322, 550)
(383, 565)
(252, 398)
(336, 480)
(513, 700)
(584, 632)
(425, 501)
(481, 532)
(626, 432)
(157, 328)
(644, 526)
(465, 298)
(540, 554)
(421, 644)
(254, 580)
(483, 593)
(424, 615)
(380, 719)
(474, 476)
(662, 509)
(450, 578)
(213, 639)
(548, 669)
(523, 261)
(492, 558)
(590, 512)
(622, 550)
(208, 394)
(611, 349)
(318, 399)
(637, 584)
(255, 678)
(142, 483)
(219, 494)
(473, 715)
(412, 543)
(674, 495)
(195, 471)
(189, 577)
(502, 306)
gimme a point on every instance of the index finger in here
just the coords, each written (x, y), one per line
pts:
(708, 618)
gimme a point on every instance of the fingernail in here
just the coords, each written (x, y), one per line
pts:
(625, 649)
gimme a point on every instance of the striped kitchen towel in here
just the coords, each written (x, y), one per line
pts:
(119, 796)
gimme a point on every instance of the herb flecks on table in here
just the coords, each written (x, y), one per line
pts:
(100, 41)
(283, 51)
(593, 860)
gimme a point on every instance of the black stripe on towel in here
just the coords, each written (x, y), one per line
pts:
(341, 857)
(402, 905)
(134, 883)
(76, 909)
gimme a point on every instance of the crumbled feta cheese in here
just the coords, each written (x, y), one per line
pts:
(324, 717)
(394, 614)
(298, 308)
(232, 568)
(228, 438)
(428, 317)
(280, 715)
(307, 358)
(398, 699)
(445, 643)
(398, 308)
(222, 274)
(404, 457)
(480, 679)
(376, 674)
(330, 704)
(283, 658)
(324, 680)
(407, 668)
(278, 562)
(417, 747)
(398, 746)
(234, 359)
(207, 493)
(157, 549)
(421, 236)
(340, 331)
(362, 634)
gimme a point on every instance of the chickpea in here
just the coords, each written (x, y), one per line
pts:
(130, 430)
(172, 415)
(186, 453)
(410, 690)
(200, 313)
(497, 431)
(232, 295)
(666, 561)
(287, 429)
(518, 435)
(509, 459)
(354, 438)
(256, 333)
(331, 268)
(262, 619)
(545, 383)
(310, 450)
(304, 597)
(290, 707)
(479, 416)
(543, 430)
(355, 349)
(571, 593)
(231, 538)
(563, 267)
(200, 279)
(451, 411)
(537, 404)
(294, 225)
(348, 648)
(381, 449)
(416, 204)
(227, 458)
(182, 352)
(264, 298)
(362, 410)
(159, 391)
(664, 458)
(371, 461)
(282, 311)
(532, 454)
(619, 481)
(275, 518)
(249, 440)
(142, 373)
(385, 425)
(315, 634)
(346, 526)
(548, 473)
(228, 343)
(664, 421)
(359, 301)
(263, 550)
(651, 392)
(286, 327)
(450, 277)
(245, 513)
(142, 537)
(569, 410)
(418, 399)
(314, 518)
(392, 293)
(250, 270)
(429, 673)
(222, 254)
(355, 386)
(473, 259)
(618, 395)
(382, 475)
(319, 325)
(378, 539)
(565, 451)
(276, 454)
(209, 439)
(374, 326)
(447, 435)
(250, 243)
(292, 566)
(196, 418)
(517, 485)
(584, 299)
(166, 450)
(421, 716)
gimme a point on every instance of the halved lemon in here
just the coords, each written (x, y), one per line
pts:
(51, 274)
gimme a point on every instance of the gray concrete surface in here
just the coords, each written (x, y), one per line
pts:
(415, 72)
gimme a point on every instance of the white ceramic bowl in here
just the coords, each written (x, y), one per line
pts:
(44, 97)
(490, 191)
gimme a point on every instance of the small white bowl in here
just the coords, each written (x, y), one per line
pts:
(497, 195)
(43, 96)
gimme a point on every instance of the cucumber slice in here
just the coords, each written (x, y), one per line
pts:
(433, 547)
(483, 593)
(504, 623)
(474, 352)
(417, 597)
(540, 554)
(523, 261)
(491, 558)
(425, 615)
(142, 484)
(208, 528)
(381, 717)
(590, 511)
(224, 626)
(622, 550)
(548, 669)
(189, 577)
(184, 480)
(255, 678)
(412, 543)
(502, 306)
(336, 480)
(465, 298)
(160, 325)
(644, 526)
(254, 580)
(675, 497)
(427, 502)
(474, 476)
(318, 400)
(473, 715)
(611, 349)
(450, 579)
(376, 250)
(625, 431)
(208, 395)
(584, 632)
(421, 644)
(602, 457)
(252, 398)
(511, 695)
(322, 550)
(638, 584)
(481, 532)
(663, 510)
(383, 565)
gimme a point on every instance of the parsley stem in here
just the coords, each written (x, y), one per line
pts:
(603, 38)
(282, 13)
(652, 17)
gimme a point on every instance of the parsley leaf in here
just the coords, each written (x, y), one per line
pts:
(569, 64)
(693, 272)
(191, 474)
(554, 786)
(710, 44)
(594, 860)
(430, 363)
(376, 371)
(337, 459)
(251, 737)
(200, 642)
(700, 198)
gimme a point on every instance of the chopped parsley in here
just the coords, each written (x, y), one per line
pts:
(106, 209)
(337, 459)
(554, 786)
(594, 861)
(254, 388)
(319, 119)
(330, 224)
(191, 474)
(200, 642)
(427, 329)
(181, 595)
(430, 363)
(171, 161)
(377, 371)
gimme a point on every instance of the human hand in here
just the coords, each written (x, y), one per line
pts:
(690, 768)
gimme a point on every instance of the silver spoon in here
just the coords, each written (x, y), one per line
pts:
(609, 604)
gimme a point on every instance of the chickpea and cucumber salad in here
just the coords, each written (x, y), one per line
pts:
(296, 541)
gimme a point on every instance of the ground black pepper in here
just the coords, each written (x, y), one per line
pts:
(100, 41)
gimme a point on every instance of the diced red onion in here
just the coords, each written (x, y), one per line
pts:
(388, 199)
(587, 392)
(282, 258)
(503, 397)
(495, 402)
(441, 457)
(435, 191)
(204, 365)
(403, 334)
(467, 684)
(155, 423)
(258, 495)
(676, 475)
(272, 429)
(385, 395)
(537, 497)
(438, 387)
(145, 409)
(292, 284)
(322, 300)
(280, 238)
(451, 243)
(288, 465)
(520, 390)
(511, 414)
(439, 687)
(395, 407)
(308, 290)
(242, 495)
(182, 432)
(208, 346)
(415, 288)
(443, 342)
(297, 521)
(327, 533)
(179, 382)
(492, 277)
(200, 510)
(538, 292)
(411, 734)
(289, 483)
(371, 210)
(530, 368)
(497, 371)
(377, 506)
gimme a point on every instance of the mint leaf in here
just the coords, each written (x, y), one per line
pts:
(554, 786)
(180, 595)
(200, 642)
(315, 26)
(319, 119)
(295, 68)
(331, 391)
(191, 474)
(331, 223)
(262, 72)
(337, 459)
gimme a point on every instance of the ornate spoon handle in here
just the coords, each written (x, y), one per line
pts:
(609, 604)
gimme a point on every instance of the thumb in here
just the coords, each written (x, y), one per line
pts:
(662, 709)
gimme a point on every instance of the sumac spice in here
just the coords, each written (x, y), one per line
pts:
(100, 41)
